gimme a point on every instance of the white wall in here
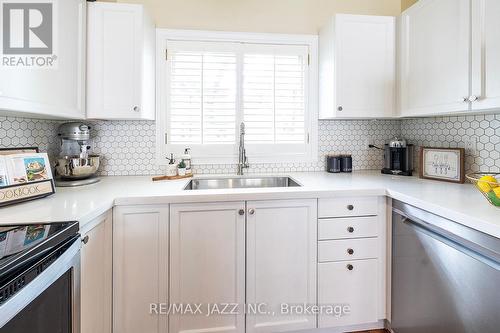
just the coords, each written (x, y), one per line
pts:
(280, 16)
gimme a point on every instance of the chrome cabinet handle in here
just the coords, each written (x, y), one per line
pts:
(350, 267)
(350, 207)
(85, 239)
(473, 98)
(350, 229)
(241, 212)
(350, 251)
(251, 211)
(136, 108)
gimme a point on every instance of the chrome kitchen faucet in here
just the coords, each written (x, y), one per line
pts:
(242, 155)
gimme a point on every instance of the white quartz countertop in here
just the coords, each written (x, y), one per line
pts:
(460, 203)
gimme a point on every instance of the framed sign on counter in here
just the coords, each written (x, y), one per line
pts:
(445, 164)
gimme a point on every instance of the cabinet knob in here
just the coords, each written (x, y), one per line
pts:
(350, 229)
(251, 211)
(350, 251)
(136, 108)
(241, 212)
(340, 108)
(350, 267)
(85, 239)
(473, 98)
(350, 207)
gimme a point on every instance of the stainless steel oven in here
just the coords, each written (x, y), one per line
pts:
(39, 278)
(445, 276)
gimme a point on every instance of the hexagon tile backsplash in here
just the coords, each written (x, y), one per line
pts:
(453, 132)
(127, 147)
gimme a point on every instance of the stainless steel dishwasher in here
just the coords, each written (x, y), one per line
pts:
(445, 276)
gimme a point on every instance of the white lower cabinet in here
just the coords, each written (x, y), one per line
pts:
(281, 262)
(140, 268)
(96, 275)
(352, 283)
(207, 265)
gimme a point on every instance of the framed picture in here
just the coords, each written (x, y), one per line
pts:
(445, 164)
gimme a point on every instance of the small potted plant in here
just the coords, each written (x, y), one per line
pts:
(181, 168)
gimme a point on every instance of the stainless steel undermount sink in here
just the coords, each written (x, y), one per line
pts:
(240, 182)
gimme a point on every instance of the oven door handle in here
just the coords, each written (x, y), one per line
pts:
(70, 258)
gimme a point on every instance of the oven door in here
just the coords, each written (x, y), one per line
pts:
(51, 301)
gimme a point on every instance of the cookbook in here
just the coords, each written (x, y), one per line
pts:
(24, 168)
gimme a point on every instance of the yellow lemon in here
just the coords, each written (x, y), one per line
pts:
(497, 192)
(487, 183)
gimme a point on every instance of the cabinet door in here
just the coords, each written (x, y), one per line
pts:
(207, 265)
(51, 91)
(140, 268)
(435, 57)
(281, 262)
(96, 276)
(365, 64)
(485, 54)
(114, 60)
(357, 288)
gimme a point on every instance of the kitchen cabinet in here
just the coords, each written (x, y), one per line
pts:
(120, 62)
(443, 70)
(352, 283)
(96, 275)
(485, 55)
(207, 265)
(140, 268)
(352, 262)
(435, 57)
(57, 88)
(281, 262)
(357, 67)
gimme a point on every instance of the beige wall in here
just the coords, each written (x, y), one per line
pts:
(282, 16)
(407, 3)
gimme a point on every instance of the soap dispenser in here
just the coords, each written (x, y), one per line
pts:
(186, 157)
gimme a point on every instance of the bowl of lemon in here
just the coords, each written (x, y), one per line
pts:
(488, 184)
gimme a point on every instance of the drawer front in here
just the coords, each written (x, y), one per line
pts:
(348, 227)
(348, 206)
(356, 287)
(348, 249)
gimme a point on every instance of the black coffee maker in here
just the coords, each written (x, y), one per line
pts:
(398, 158)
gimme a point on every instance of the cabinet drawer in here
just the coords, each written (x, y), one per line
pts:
(348, 227)
(348, 206)
(347, 249)
(356, 287)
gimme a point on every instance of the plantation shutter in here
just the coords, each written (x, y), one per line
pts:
(202, 93)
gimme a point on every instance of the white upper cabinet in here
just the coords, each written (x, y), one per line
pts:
(485, 55)
(120, 62)
(56, 89)
(357, 67)
(435, 56)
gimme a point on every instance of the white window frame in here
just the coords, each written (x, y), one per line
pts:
(213, 157)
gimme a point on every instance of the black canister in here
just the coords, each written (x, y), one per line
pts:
(346, 165)
(334, 163)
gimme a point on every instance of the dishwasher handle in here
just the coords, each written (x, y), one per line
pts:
(461, 244)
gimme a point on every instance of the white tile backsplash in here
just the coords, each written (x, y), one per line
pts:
(128, 147)
(453, 132)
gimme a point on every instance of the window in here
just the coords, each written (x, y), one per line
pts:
(208, 88)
